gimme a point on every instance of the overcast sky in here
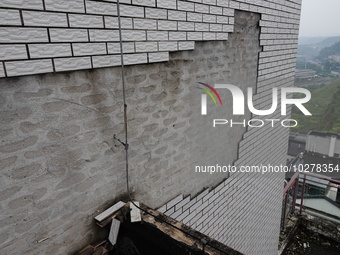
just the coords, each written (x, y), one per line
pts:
(320, 18)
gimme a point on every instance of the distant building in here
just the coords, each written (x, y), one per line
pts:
(337, 74)
(326, 144)
(304, 74)
(315, 148)
(316, 144)
(335, 58)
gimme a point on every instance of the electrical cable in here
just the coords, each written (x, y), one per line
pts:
(126, 144)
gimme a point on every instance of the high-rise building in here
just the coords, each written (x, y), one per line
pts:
(62, 116)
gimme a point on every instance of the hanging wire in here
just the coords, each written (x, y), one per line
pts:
(126, 144)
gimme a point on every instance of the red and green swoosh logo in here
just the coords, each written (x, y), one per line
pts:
(211, 92)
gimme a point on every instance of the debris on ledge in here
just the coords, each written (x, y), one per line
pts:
(135, 229)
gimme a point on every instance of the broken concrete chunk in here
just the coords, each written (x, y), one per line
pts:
(109, 211)
(114, 231)
(135, 212)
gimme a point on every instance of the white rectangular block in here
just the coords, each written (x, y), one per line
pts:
(224, 3)
(65, 5)
(210, 2)
(168, 4)
(152, 13)
(203, 8)
(103, 8)
(131, 11)
(13, 51)
(145, 24)
(83, 49)
(68, 35)
(244, 7)
(234, 4)
(216, 28)
(133, 35)
(106, 61)
(209, 18)
(166, 25)
(177, 15)
(28, 67)
(50, 50)
(168, 46)
(44, 19)
(192, 16)
(109, 211)
(151, 3)
(207, 36)
(22, 35)
(80, 20)
(253, 8)
(228, 12)
(10, 17)
(186, 26)
(135, 212)
(146, 46)
(101, 35)
(201, 27)
(113, 235)
(193, 36)
(133, 59)
(23, 4)
(185, 6)
(216, 10)
(70, 64)
(157, 35)
(177, 36)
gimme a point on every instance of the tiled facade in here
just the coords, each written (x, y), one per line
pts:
(56, 31)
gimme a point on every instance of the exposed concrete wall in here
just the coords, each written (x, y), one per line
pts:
(60, 161)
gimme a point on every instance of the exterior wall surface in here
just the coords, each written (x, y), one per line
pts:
(43, 36)
(60, 165)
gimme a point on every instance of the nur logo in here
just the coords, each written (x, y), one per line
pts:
(239, 99)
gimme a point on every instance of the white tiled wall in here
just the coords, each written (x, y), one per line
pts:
(69, 23)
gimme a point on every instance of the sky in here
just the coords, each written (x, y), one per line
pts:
(320, 18)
